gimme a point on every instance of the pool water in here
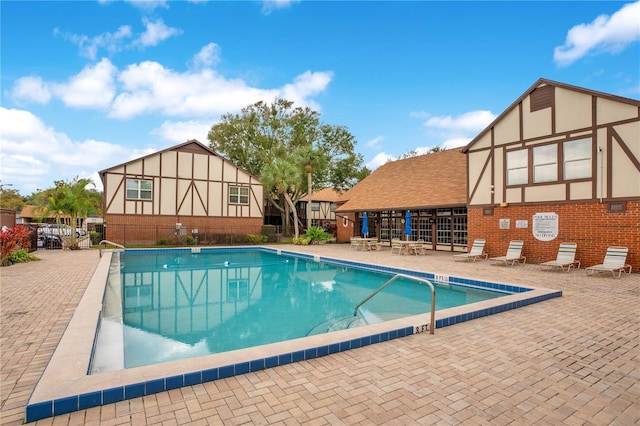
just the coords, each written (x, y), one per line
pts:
(175, 305)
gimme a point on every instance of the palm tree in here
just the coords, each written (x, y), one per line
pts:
(281, 176)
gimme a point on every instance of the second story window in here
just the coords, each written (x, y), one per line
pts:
(577, 159)
(238, 195)
(139, 189)
(545, 163)
(315, 206)
(517, 162)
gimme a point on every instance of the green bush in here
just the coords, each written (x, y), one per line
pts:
(301, 241)
(316, 235)
(163, 242)
(257, 239)
(20, 256)
(95, 238)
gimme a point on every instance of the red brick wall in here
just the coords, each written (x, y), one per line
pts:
(345, 232)
(589, 225)
(147, 229)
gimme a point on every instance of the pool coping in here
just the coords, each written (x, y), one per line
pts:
(65, 386)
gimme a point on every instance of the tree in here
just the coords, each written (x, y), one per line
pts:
(279, 176)
(322, 154)
(11, 199)
(68, 203)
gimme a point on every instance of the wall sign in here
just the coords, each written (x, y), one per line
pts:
(505, 223)
(522, 223)
(545, 226)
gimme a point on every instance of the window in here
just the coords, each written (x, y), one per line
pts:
(138, 189)
(238, 195)
(545, 163)
(517, 167)
(315, 206)
(577, 159)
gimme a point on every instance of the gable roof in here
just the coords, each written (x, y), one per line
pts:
(193, 146)
(326, 194)
(545, 82)
(427, 181)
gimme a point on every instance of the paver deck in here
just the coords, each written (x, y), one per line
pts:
(573, 360)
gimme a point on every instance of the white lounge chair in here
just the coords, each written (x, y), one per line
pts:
(566, 258)
(513, 256)
(356, 243)
(614, 261)
(476, 252)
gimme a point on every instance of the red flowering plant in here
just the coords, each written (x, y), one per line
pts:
(14, 245)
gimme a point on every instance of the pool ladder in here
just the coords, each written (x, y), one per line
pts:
(432, 326)
(111, 243)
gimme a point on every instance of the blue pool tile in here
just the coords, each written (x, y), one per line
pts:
(298, 356)
(375, 338)
(242, 368)
(355, 343)
(271, 362)
(334, 348)
(174, 382)
(210, 375)
(154, 386)
(40, 410)
(384, 336)
(284, 359)
(345, 346)
(112, 395)
(257, 365)
(134, 391)
(89, 400)
(191, 379)
(65, 405)
(323, 350)
(365, 341)
(226, 371)
(393, 334)
(311, 353)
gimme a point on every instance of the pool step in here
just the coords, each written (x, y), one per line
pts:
(346, 322)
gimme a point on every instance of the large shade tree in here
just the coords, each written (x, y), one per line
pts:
(320, 155)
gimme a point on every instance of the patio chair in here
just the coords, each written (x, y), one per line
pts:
(356, 243)
(614, 261)
(418, 248)
(396, 245)
(513, 256)
(476, 252)
(566, 258)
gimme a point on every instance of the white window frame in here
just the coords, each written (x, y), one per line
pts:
(239, 195)
(134, 189)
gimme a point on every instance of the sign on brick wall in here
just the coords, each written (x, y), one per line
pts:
(545, 226)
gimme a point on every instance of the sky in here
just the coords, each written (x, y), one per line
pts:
(88, 85)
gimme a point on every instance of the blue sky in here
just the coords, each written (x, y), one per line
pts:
(89, 85)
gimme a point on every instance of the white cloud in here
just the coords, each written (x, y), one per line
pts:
(379, 160)
(93, 87)
(182, 131)
(34, 155)
(89, 46)
(30, 89)
(605, 34)
(375, 142)
(207, 57)
(472, 121)
(155, 32)
(269, 6)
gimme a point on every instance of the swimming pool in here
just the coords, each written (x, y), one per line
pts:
(66, 385)
(177, 305)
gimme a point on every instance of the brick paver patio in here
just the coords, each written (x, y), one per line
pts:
(573, 360)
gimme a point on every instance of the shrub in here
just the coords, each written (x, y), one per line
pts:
(95, 237)
(162, 242)
(20, 256)
(12, 240)
(257, 239)
(316, 235)
(301, 241)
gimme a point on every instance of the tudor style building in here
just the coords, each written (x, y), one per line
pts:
(183, 191)
(561, 164)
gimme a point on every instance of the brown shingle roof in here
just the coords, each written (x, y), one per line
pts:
(426, 181)
(326, 194)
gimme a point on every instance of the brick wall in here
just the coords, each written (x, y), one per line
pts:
(589, 225)
(147, 229)
(345, 232)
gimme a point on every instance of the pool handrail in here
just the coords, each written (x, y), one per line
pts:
(108, 242)
(432, 326)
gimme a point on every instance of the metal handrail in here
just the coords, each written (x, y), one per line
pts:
(432, 326)
(108, 242)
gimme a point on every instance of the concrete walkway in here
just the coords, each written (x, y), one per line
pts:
(573, 360)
